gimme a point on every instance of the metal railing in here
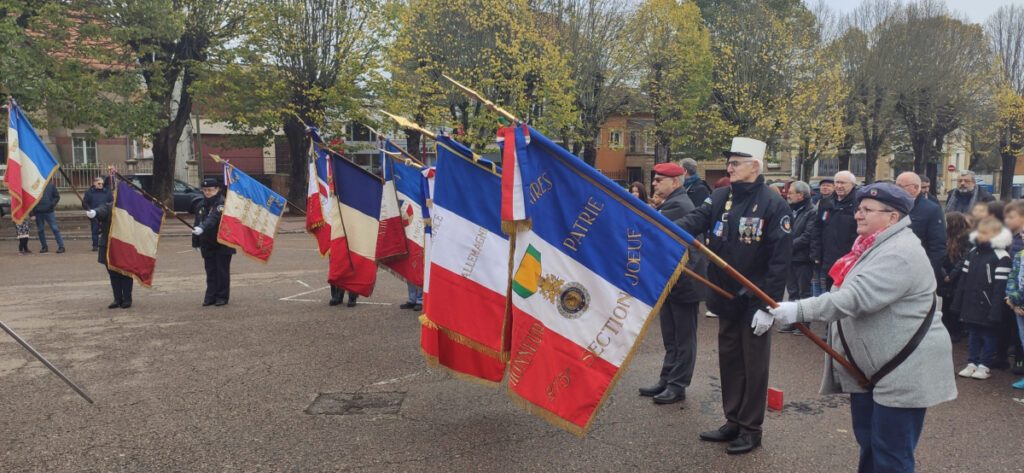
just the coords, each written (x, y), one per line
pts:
(83, 175)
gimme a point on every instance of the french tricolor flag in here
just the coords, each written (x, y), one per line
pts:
(408, 183)
(251, 215)
(466, 317)
(30, 165)
(361, 198)
(134, 234)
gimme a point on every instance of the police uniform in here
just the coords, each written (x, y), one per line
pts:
(749, 226)
(216, 257)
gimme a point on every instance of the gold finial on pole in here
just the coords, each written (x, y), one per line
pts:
(410, 125)
(487, 103)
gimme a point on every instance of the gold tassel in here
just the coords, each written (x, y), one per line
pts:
(516, 226)
(547, 415)
(465, 341)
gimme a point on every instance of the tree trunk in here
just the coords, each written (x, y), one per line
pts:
(412, 144)
(165, 141)
(845, 151)
(590, 153)
(1009, 161)
(298, 146)
(870, 164)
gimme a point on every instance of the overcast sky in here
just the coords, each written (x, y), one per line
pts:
(976, 10)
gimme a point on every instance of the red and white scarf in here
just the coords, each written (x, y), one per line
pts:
(845, 264)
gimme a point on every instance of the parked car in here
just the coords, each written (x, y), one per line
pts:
(5, 204)
(186, 197)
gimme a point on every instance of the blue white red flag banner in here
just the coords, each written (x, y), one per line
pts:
(134, 234)
(587, 278)
(466, 303)
(252, 213)
(323, 215)
(513, 214)
(30, 165)
(407, 181)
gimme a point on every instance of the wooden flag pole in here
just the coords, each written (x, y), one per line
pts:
(72, 184)
(217, 159)
(863, 380)
(45, 362)
(151, 198)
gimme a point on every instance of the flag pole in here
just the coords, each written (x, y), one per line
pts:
(45, 362)
(410, 125)
(217, 158)
(694, 243)
(409, 158)
(150, 197)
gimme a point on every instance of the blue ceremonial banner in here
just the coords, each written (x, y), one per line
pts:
(589, 273)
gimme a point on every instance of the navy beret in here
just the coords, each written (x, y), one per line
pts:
(211, 182)
(889, 194)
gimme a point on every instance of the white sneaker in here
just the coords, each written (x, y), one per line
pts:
(981, 373)
(710, 314)
(968, 371)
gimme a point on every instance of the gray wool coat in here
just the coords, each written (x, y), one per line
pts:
(882, 302)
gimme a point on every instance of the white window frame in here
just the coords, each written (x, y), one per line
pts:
(615, 139)
(81, 146)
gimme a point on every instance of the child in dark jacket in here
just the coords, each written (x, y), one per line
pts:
(980, 293)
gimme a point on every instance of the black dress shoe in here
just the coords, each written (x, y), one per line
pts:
(114, 305)
(220, 302)
(744, 444)
(723, 434)
(351, 303)
(653, 390)
(407, 305)
(670, 395)
(208, 302)
(44, 250)
(334, 302)
(60, 250)
(418, 307)
(125, 305)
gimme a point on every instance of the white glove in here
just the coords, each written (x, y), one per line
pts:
(786, 312)
(197, 231)
(90, 213)
(762, 322)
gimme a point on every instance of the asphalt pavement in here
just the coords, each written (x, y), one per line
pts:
(279, 381)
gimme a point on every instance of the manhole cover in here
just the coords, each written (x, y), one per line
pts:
(349, 404)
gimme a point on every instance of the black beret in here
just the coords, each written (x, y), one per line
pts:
(210, 182)
(827, 180)
(889, 194)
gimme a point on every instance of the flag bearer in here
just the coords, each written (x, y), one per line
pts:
(747, 225)
(119, 283)
(216, 257)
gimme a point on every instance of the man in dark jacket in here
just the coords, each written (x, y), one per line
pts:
(216, 257)
(695, 187)
(93, 199)
(927, 221)
(679, 312)
(966, 194)
(926, 189)
(749, 226)
(45, 212)
(804, 223)
(837, 227)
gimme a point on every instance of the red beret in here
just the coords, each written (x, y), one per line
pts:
(668, 169)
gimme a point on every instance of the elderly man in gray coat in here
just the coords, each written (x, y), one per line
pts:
(885, 324)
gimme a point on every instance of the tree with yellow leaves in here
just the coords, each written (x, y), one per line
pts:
(492, 46)
(1005, 30)
(672, 53)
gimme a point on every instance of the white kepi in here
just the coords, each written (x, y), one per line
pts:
(747, 148)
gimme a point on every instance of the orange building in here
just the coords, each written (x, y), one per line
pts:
(625, 148)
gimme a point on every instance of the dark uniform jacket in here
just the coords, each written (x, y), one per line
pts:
(837, 228)
(753, 236)
(48, 200)
(929, 224)
(676, 206)
(805, 224)
(208, 217)
(698, 191)
(103, 217)
(982, 286)
(94, 198)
